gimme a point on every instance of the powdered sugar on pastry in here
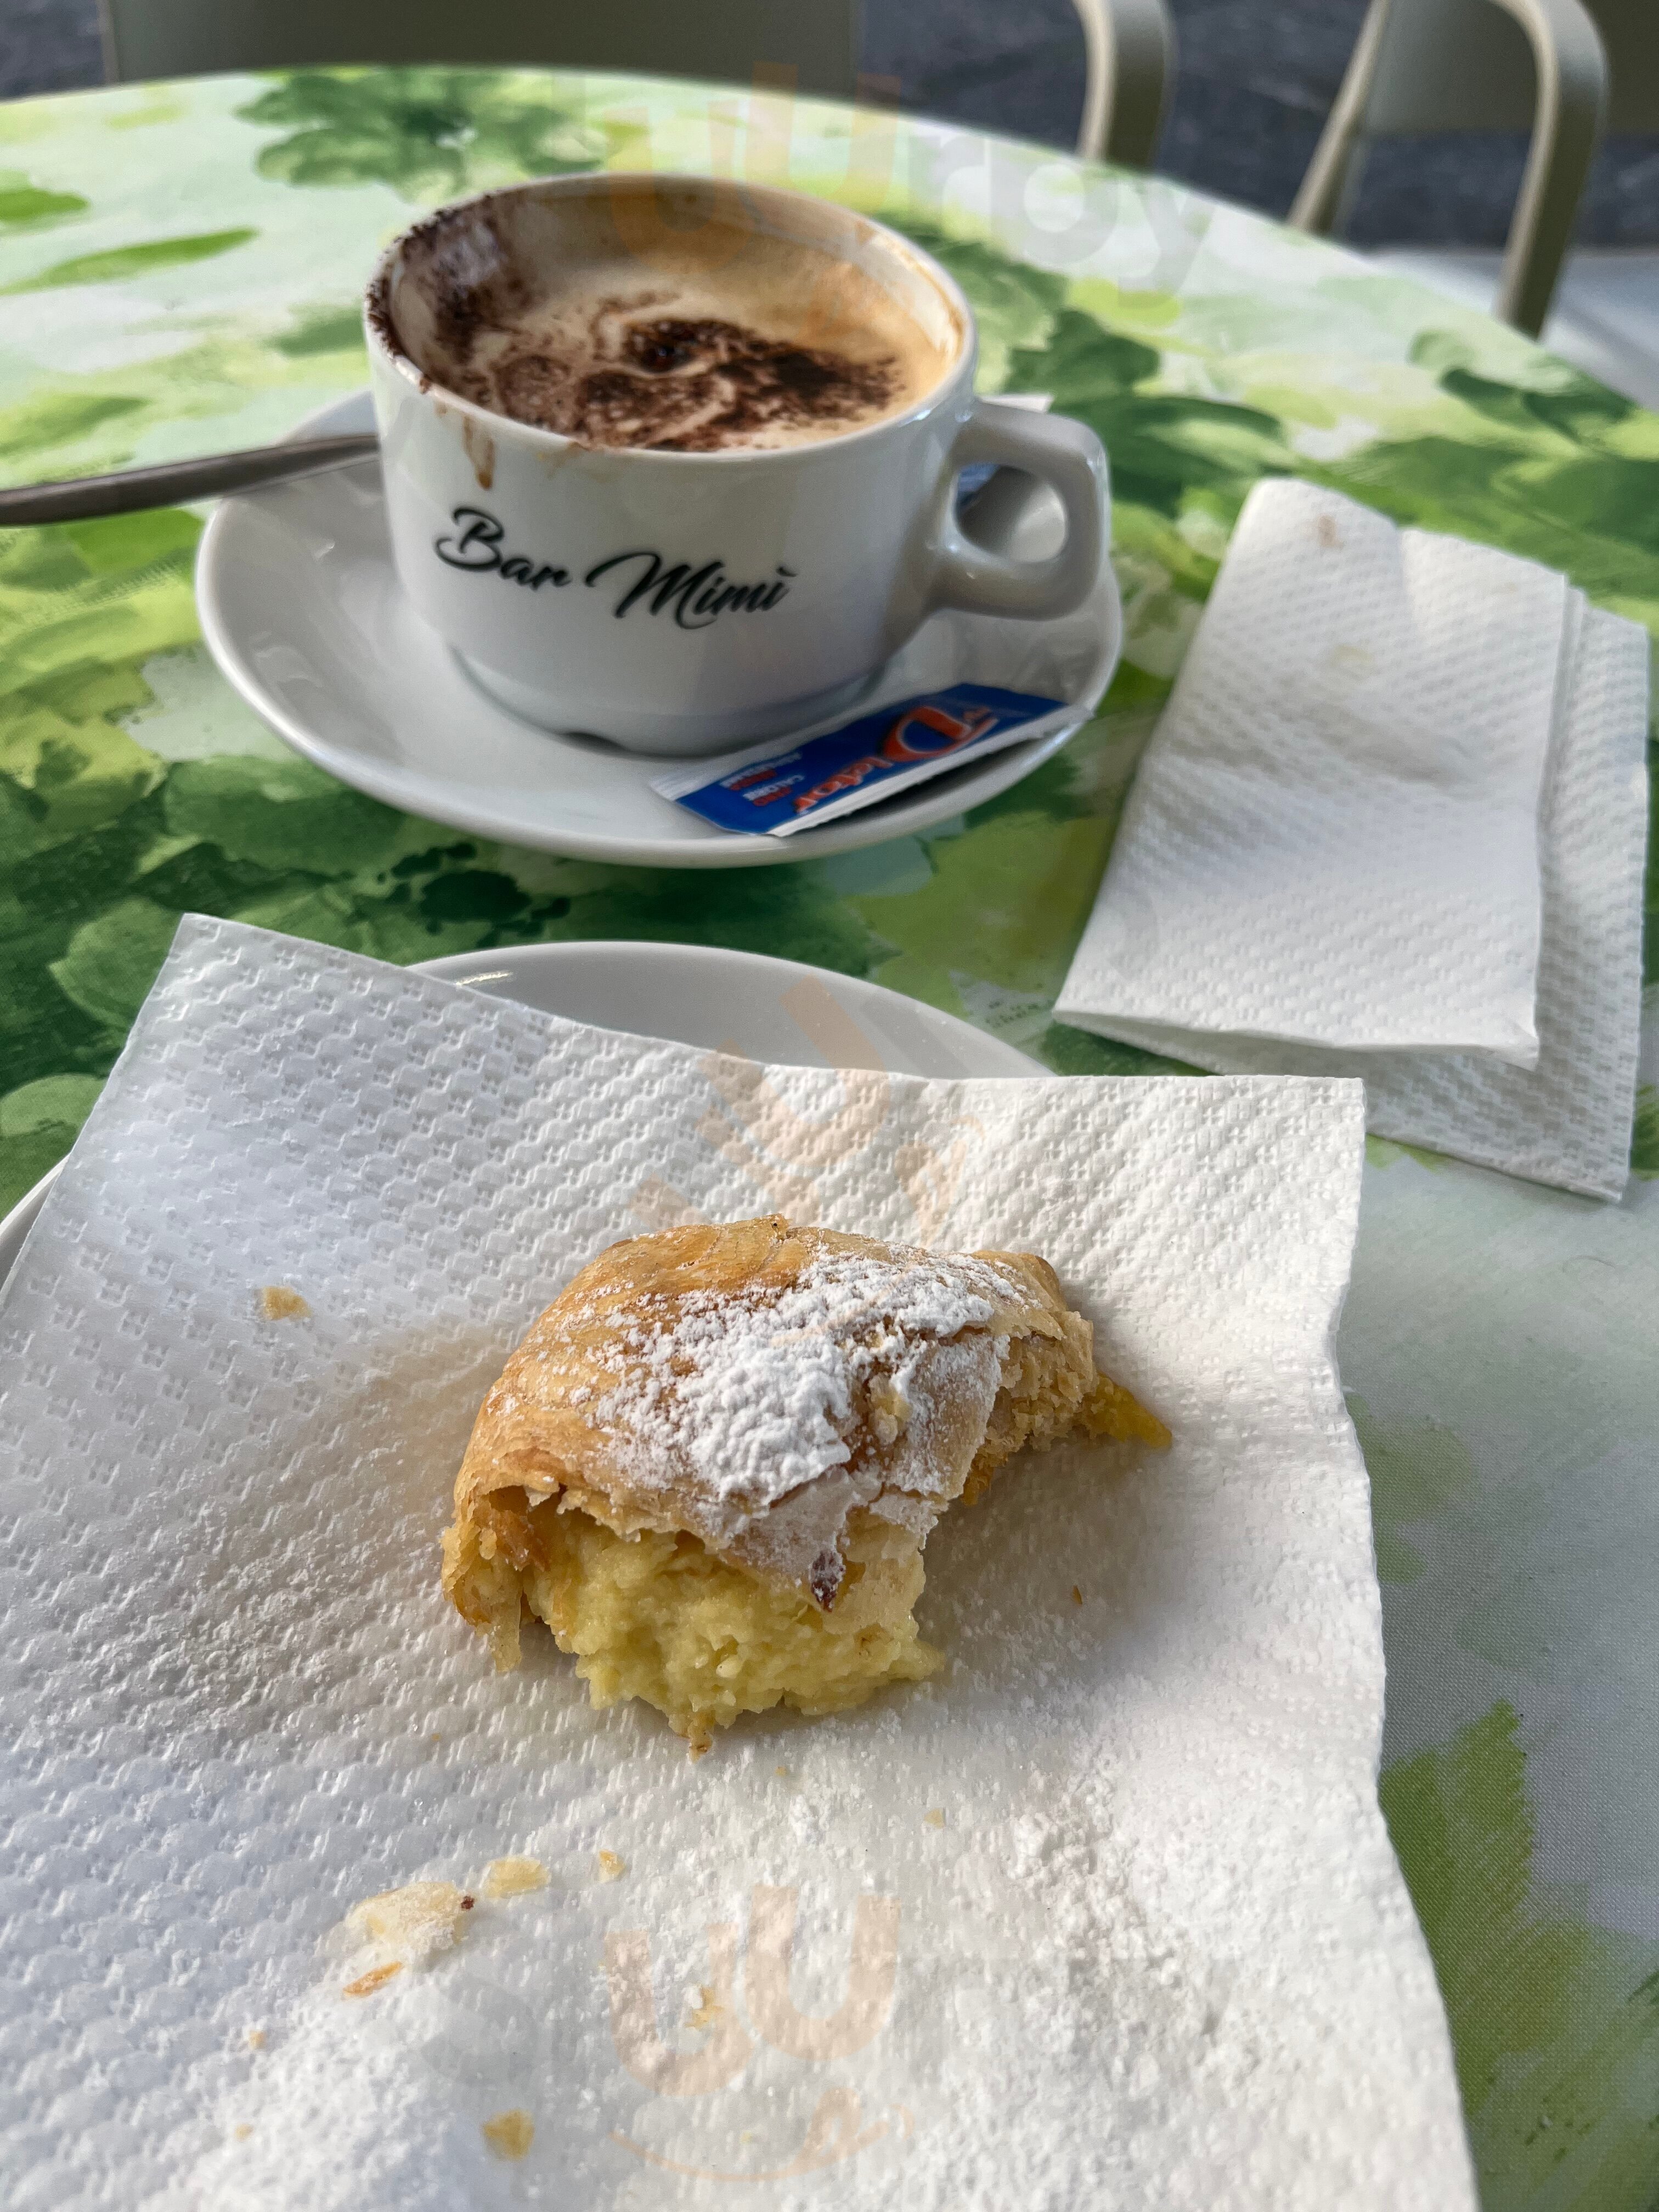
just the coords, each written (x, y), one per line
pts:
(755, 1384)
(753, 1395)
(773, 1419)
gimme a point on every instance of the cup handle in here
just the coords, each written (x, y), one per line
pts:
(1063, 454)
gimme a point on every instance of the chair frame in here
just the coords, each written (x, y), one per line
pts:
(1130, 73)
(1572, 102)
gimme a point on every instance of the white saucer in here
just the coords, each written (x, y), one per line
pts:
(301, 609)
(779, 1010)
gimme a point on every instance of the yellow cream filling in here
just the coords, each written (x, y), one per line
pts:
(658, 1617)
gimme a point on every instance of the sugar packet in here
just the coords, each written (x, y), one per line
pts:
(766, 792)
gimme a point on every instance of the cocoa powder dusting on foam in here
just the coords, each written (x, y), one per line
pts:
(459, 262)
(676, 386)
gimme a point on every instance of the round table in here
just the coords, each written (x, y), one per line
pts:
(186, 260)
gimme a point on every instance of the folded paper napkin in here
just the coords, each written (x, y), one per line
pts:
(1103, 1915)
(1392, 825)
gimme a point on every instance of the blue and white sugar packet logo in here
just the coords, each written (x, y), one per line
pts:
(774, 795)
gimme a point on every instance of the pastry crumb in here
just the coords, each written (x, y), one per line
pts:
(612, 1867)
(709, 2010)
(256, 2038)
(509, 2135)
(512, 1877)
(278, 1302)
(420, 1918)
(366, 1985)
(241, 2132)
(1077, 1594)
(934, 1816)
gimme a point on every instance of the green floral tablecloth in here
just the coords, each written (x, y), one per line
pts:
(181, 264)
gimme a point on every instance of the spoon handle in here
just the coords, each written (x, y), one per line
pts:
(171, 483)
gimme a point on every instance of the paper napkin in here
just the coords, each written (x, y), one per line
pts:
(1392, 825)
(1104, 1915)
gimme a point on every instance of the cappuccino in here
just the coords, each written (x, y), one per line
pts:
(706, 487)
(629, 331)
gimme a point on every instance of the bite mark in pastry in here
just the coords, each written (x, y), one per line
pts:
(711, 1465)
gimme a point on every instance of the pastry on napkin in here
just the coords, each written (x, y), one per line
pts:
(1102, 1913)
(1392, 824)
(711, 1466)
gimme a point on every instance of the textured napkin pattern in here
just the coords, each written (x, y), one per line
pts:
(1253, 887)
(1152, 1943)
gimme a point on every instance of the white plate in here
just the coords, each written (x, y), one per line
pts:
(301, 609)
(774, 1010)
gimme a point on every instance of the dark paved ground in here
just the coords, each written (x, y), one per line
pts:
(48, 46)
(1256, 78)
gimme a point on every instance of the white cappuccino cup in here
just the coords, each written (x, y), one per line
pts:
(680, 597)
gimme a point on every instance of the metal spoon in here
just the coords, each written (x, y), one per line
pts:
(169, 483)
(128, 491)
